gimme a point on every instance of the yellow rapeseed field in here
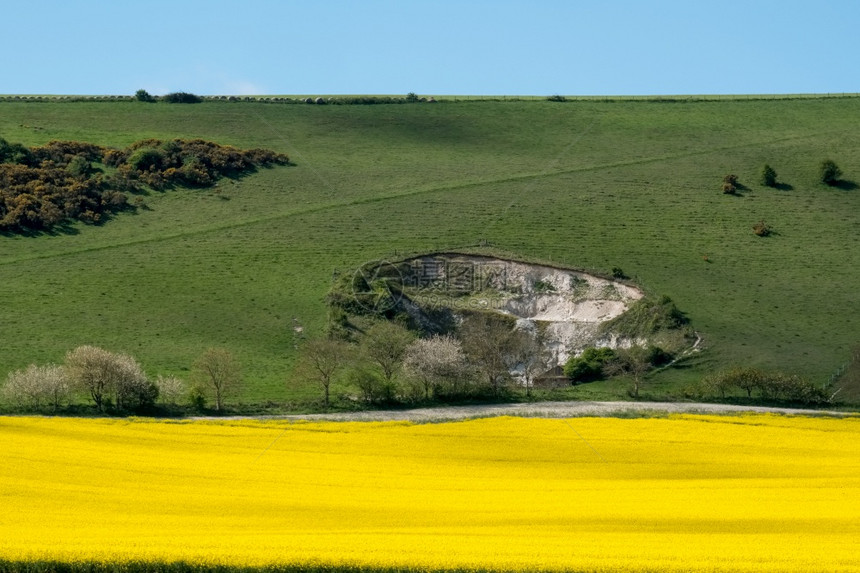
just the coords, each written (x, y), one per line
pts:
(685, 493)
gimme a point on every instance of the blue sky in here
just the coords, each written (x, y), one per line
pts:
(430, 47)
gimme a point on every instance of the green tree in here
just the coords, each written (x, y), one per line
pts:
(634, 362)
(768, 176)
(384, 345)
(143, 95)
(829, 172)
(589, 365)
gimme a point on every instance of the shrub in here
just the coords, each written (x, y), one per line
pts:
(56, 182)
(730, 184)
(645, 317)
(829, 172)
(768, 176)
(79, 167)
(146, 158)
(617, 273)
(762, 229)
(556, 97)
(14, 153)
(373, 387)
(589, 365)
(182, 97)
(143, 95)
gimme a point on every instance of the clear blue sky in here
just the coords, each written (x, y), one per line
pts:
(430, 47)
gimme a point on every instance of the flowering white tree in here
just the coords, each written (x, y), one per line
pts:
(103, 374)
(436, 361)
(37, 385)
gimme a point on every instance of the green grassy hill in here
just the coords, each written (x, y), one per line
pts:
(590, 184)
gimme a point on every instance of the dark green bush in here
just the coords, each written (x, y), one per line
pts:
(143, 95)
(646, 317)
(617, 273)
(145, 159)
(829, 172)
(181, 97)
(768, 176)
(588, 366)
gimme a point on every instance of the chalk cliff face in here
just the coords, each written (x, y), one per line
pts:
(569, 306)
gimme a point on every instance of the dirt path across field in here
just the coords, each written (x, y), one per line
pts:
(543, 410)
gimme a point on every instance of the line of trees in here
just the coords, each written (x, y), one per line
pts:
(116, 383)
(755, 382)
(391, 364)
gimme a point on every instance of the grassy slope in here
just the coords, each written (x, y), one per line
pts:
(589, 184)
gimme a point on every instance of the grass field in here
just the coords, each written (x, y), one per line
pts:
(589, 184)
(682, 493)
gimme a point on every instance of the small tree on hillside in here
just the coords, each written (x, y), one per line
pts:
(535, 358)
(829, 172)
(384, 345)
(321, 360)
(494, 346)
(635, 362)
(730, 184)
(218, 370)
(768, 176)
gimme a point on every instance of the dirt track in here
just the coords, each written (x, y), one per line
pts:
(548, 410)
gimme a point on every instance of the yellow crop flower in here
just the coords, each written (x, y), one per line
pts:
(683, 493)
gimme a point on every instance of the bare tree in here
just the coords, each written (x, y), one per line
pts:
(385, 345)
(218, 370)
(534, 356)
(321, 360)
(635, 362)
(37, 385)
(436, 361)
(494, 346)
